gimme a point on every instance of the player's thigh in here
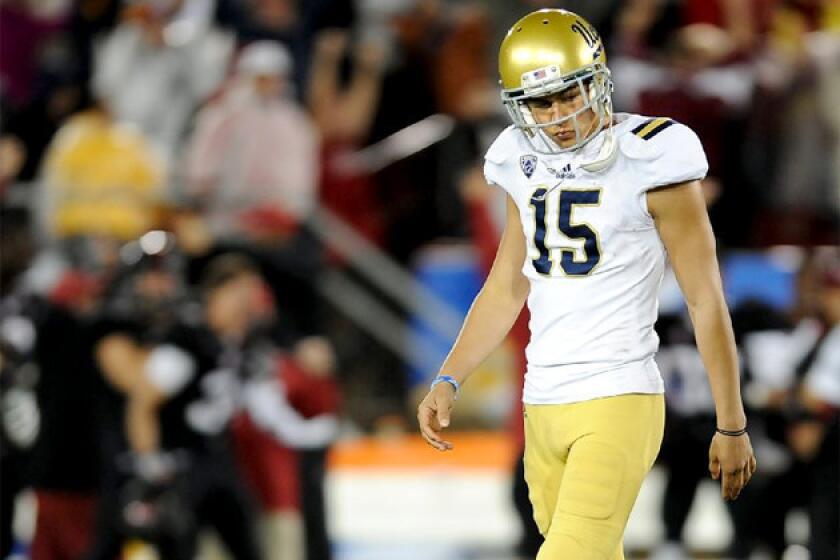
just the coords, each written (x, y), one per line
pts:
(604, 472)
(543, 468)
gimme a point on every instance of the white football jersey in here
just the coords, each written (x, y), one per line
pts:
(594, 257)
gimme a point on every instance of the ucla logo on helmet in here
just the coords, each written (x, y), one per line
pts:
(528, 164)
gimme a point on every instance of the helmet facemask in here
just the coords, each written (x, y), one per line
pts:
(595, 86)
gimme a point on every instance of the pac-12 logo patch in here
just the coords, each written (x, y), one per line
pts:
(528, 164)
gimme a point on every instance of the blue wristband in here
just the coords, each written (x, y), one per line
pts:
(446, 379)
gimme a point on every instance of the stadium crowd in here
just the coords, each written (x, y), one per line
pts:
(186, 185)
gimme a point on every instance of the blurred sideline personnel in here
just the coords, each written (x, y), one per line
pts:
(595, 200)
(282, 441)
(49, 402)
(181, 395)
(816, 437)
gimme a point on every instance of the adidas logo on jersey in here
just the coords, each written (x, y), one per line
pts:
(565, 173)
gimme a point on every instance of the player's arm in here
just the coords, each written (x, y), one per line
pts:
(123, 363)
(120, 360)
(680, 215)
(142, 420)
(491, 316)
(148, 377)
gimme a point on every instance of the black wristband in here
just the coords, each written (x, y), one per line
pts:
(733, 433)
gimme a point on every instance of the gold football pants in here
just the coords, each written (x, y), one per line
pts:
(584, 464)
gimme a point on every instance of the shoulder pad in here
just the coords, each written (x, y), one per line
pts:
(643, 140)
(503, 146)
(670, 151)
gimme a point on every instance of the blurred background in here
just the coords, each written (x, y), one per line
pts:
(288, 194)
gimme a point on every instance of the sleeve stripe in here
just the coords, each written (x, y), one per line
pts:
(659, 128)
(641, 127)
(651, 128)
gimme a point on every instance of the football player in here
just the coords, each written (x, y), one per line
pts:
(182, 392)
(596, 201)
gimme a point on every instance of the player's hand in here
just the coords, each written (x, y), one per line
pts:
(434, 414)
(731, 460)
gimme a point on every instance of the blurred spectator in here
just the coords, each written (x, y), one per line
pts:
(464, 86)
(644, 24)
(12, 157)
(252, 174)
(48, 67)
(406, 188)
(419, 193)
(101, 178)
(27, 26)
(293, 23)
(793, 138)
(17, 247)
(89, 20)
(252, 161)
(344, 115)
(159, 64)
(744, 22)
(57, 93)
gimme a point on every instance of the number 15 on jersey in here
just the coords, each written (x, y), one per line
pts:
(570, 263)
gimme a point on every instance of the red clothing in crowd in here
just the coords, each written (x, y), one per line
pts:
(270, 467)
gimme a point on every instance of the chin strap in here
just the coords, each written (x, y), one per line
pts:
(606, 155)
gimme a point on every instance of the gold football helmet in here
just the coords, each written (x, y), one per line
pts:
(546, 52)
